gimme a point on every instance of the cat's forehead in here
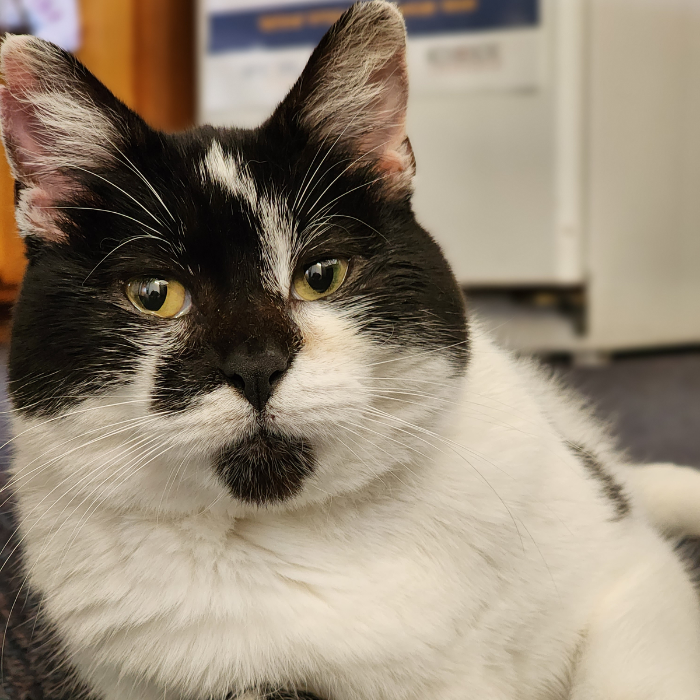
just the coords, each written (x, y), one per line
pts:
(268, 213)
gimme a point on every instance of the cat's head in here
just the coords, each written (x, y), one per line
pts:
(253, 308)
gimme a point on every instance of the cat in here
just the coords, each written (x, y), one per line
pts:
(258, 444)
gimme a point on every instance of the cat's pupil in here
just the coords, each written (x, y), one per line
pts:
(152, 293)
(320, 275)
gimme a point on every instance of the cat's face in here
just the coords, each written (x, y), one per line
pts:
(257, 308)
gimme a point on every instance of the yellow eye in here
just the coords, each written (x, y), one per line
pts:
(320, 279)
(164, 298)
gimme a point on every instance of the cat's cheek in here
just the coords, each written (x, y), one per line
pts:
(327, 332)
(327, 373)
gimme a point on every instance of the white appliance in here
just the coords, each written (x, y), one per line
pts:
(558, 151)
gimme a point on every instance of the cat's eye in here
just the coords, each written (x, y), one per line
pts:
(158, 297)
(320, 279)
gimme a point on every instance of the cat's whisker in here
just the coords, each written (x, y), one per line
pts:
(328, 152)
(53, 533)
(404, 358)
(158, 238)
(125, 473)
(153, 190)
(304, 182)
(25, 408)
(69, 414)
(497, 423)
(123, 191)
(115, 249)
(376, 474)
(386, 395)
(349, 167)
(454, 446)
(507, 408)
(360, 221)
(126, 424)
(52, 491)
(56, 529)
(364, 438)
(91, 475)
(168, 488)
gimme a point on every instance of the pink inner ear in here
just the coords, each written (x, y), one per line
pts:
(19, 134)
(392, 162)
(387, 139)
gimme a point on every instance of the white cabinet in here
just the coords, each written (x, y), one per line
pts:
(560, 152)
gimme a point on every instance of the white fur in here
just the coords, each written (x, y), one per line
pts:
(453, 547)
(670, 496)
(230, 174)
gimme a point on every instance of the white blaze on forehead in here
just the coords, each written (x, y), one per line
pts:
(272, 219)
(227, 171)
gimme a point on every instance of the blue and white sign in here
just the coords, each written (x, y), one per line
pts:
(251, 52)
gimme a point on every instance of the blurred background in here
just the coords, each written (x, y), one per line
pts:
(558, 151)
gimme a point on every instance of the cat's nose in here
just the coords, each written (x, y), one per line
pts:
(255, 373)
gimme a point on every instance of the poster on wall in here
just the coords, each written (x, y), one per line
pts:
(251, 52)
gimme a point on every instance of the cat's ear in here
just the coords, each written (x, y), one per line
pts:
(58, 122)
(354, 90)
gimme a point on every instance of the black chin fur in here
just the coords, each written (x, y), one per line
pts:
(265, 468)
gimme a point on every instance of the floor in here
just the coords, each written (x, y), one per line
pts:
(653, 402)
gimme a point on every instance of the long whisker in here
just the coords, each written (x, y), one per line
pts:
(63, 481)
(69, 414)
(22, 476)
(419, 354)
(143, 178)
(116, 213)
(328, 152)
(46, 545)
(357, 160)
(157, 451)
(131, 197)
(114, 250)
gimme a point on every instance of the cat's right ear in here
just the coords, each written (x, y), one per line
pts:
(353, 93)
(58, 123)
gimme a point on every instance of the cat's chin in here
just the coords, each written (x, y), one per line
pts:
(265, 468)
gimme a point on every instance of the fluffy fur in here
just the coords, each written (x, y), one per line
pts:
(412, 514)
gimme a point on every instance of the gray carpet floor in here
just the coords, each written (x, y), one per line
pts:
(652, 402)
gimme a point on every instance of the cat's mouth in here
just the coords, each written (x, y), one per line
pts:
(265, 468)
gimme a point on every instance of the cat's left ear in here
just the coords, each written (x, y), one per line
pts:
(58, 123)
(353, 93)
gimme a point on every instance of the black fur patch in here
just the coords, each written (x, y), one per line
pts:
(265, 468)
(609, 487)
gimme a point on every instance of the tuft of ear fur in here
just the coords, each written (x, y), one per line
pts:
(57, 118)
(354, 91)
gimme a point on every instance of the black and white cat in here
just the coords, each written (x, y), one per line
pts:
(256, 445)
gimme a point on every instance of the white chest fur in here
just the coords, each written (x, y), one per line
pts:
(471, 573)
(206, 603)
